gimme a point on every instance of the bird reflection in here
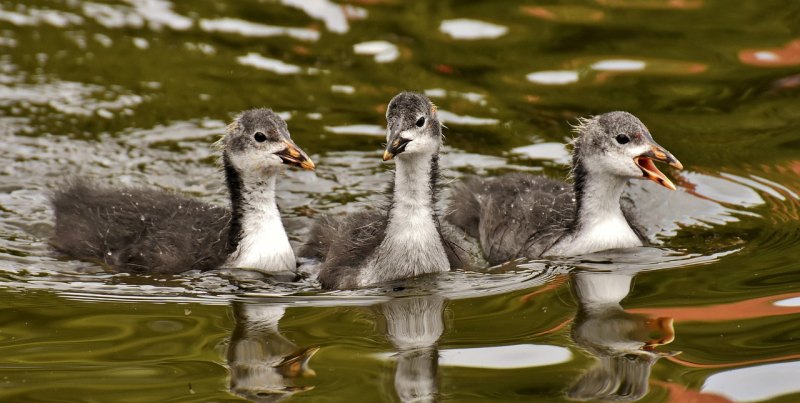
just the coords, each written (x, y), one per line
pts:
(623, 343)
(414, 325)
(264, 363)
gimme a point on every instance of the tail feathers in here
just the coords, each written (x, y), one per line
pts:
(79, 229)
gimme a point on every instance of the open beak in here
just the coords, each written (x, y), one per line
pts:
(293, 155)
(395, 146)
(296, 364)
(649, 170)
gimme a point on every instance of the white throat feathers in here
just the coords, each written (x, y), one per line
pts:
(599, 221)
(412, 244)
(257, 232)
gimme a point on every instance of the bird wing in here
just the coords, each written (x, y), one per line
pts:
(138, 229)
(515, 215)
(343, 244)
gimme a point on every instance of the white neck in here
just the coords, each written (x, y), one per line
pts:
(600, 223)
(412, 245)
(264, 245)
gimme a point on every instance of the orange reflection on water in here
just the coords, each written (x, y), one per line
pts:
(569, 14)
(788, 55)
(654, 4)
(748, 309)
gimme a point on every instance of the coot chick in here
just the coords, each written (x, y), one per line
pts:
(525, 216)
(405, 239)
(156, 231)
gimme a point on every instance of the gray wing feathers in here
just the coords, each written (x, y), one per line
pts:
(515, 215)
(343, 244)
(137, 229)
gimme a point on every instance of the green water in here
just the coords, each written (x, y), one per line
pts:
(134, 93)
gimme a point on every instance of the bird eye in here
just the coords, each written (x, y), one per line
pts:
(622, 139)
(421, 122)
(260, 137)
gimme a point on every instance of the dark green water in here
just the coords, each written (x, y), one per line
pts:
(135, 92)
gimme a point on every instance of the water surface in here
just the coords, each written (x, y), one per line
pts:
(134, 92)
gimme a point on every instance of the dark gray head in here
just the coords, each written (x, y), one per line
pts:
(619, 144)
(412, 126)
(258, 141)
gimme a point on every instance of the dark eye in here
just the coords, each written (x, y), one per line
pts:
(421, 122)
(260, 137)
(622, 139)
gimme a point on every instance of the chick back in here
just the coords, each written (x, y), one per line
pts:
(139, 229)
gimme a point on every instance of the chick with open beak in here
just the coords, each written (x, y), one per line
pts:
(519, 215)
(619, 144)
(649, 170)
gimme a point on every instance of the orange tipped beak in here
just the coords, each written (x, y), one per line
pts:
(396, 146)
(293, 155)
(649, 170)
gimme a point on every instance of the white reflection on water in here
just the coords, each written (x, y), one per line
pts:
(723, 190)
(335, 16)
(448, 117)
(788, 302)
(67, 97)
(554, 77)
(158, 14)
(33, 16)
(252, 29)
(505, 357)
(500, 357)
(556, 152)
(473, 97)
(382, 51)
(343, 89)
(756, 383)
(253, 59)
(467, 29)
(367, 130)
(619, 65)
(112, 16)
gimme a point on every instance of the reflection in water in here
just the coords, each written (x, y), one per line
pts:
(622, 342)
(414, 325)
(264, 363)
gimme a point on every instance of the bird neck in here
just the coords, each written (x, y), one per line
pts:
(599, 223)
(415, 184)
(413, 242)
(256, 237)
(596, 196)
